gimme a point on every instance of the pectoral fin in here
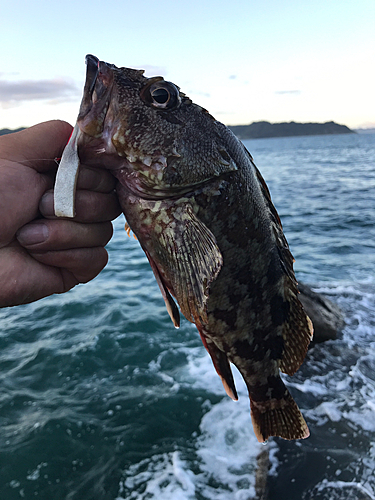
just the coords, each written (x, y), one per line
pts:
(190, 258)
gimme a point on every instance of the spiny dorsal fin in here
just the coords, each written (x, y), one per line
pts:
(297, 330)
(297, 333)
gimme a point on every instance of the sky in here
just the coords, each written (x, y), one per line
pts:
(243, 60)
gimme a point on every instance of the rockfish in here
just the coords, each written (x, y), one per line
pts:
(203, 215)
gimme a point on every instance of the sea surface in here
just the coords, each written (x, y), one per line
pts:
(101, 398)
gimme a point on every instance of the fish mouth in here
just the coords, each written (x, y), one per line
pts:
(92, 71)
(96, 95)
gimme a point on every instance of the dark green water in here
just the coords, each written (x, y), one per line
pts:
(101, 398)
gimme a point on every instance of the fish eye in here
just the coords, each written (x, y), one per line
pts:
(161, 95)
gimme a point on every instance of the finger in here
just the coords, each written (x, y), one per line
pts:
(29, 277)
(95, 179)
(60, 234)
(20, 192)
(25, 280)
(95, 207)
(90, 206)
(77, 266)
(37, 146)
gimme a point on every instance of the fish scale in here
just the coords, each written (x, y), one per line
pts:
(203, 215)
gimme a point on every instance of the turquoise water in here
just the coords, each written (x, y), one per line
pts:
(101, 398)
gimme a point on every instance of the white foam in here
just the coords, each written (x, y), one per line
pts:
(226, 456)
(163, 476)
(330, 409)
(184, 477)
(363, 418)
(340, 485)
(309, 386)
(223, 459)
(225, 453)
(228, 448)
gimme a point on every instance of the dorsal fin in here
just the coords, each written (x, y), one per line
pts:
(297, 330)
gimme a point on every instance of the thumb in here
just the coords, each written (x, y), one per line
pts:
(34, 145)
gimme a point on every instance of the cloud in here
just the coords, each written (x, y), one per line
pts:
(58, 89)
(296, 92)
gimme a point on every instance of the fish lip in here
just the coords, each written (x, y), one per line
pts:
(97, 72)
(92, 71)
(96, 96)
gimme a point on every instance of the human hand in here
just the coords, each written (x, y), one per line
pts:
(40, 254)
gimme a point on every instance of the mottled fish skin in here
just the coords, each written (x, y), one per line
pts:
(203, 215)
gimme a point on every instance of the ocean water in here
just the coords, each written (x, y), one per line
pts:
(102, 399)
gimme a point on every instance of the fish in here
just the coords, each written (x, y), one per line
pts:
(203, 215)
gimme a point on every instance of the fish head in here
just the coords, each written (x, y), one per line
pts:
(147, 130)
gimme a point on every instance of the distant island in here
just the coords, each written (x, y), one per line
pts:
(5, 131)
(258, 130)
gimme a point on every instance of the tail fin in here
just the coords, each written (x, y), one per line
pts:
(278, 417)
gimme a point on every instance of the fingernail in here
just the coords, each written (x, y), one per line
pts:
(33, 234)
(46, 205)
